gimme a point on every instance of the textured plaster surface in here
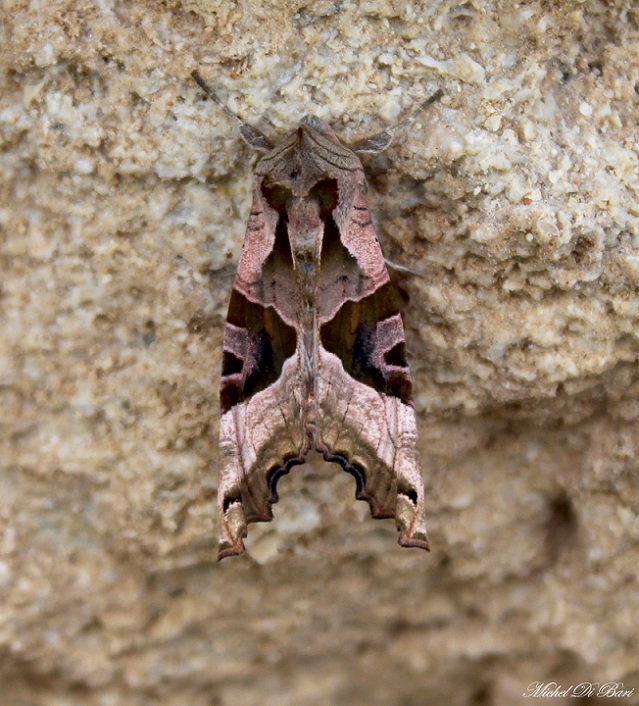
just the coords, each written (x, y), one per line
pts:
(514, 203)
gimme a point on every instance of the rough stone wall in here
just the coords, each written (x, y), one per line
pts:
(514, 202)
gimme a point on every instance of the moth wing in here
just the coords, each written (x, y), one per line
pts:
(261, 434)
(366, 419)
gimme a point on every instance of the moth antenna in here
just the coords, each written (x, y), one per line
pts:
(253, 137)
(378, 143)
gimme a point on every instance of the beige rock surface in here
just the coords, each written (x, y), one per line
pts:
(122, 209)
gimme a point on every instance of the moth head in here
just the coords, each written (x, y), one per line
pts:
(312, 124)
(315, 123)
(375, 144)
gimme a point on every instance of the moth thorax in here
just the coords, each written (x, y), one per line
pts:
(305, 227)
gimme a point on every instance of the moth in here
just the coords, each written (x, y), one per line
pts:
(314, 350)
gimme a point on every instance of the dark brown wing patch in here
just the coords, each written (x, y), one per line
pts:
(257, 342)
(368, 337)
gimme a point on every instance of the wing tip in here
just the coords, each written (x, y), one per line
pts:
(415, 541)
(227, 549)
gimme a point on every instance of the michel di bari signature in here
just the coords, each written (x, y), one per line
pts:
(583, 689)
